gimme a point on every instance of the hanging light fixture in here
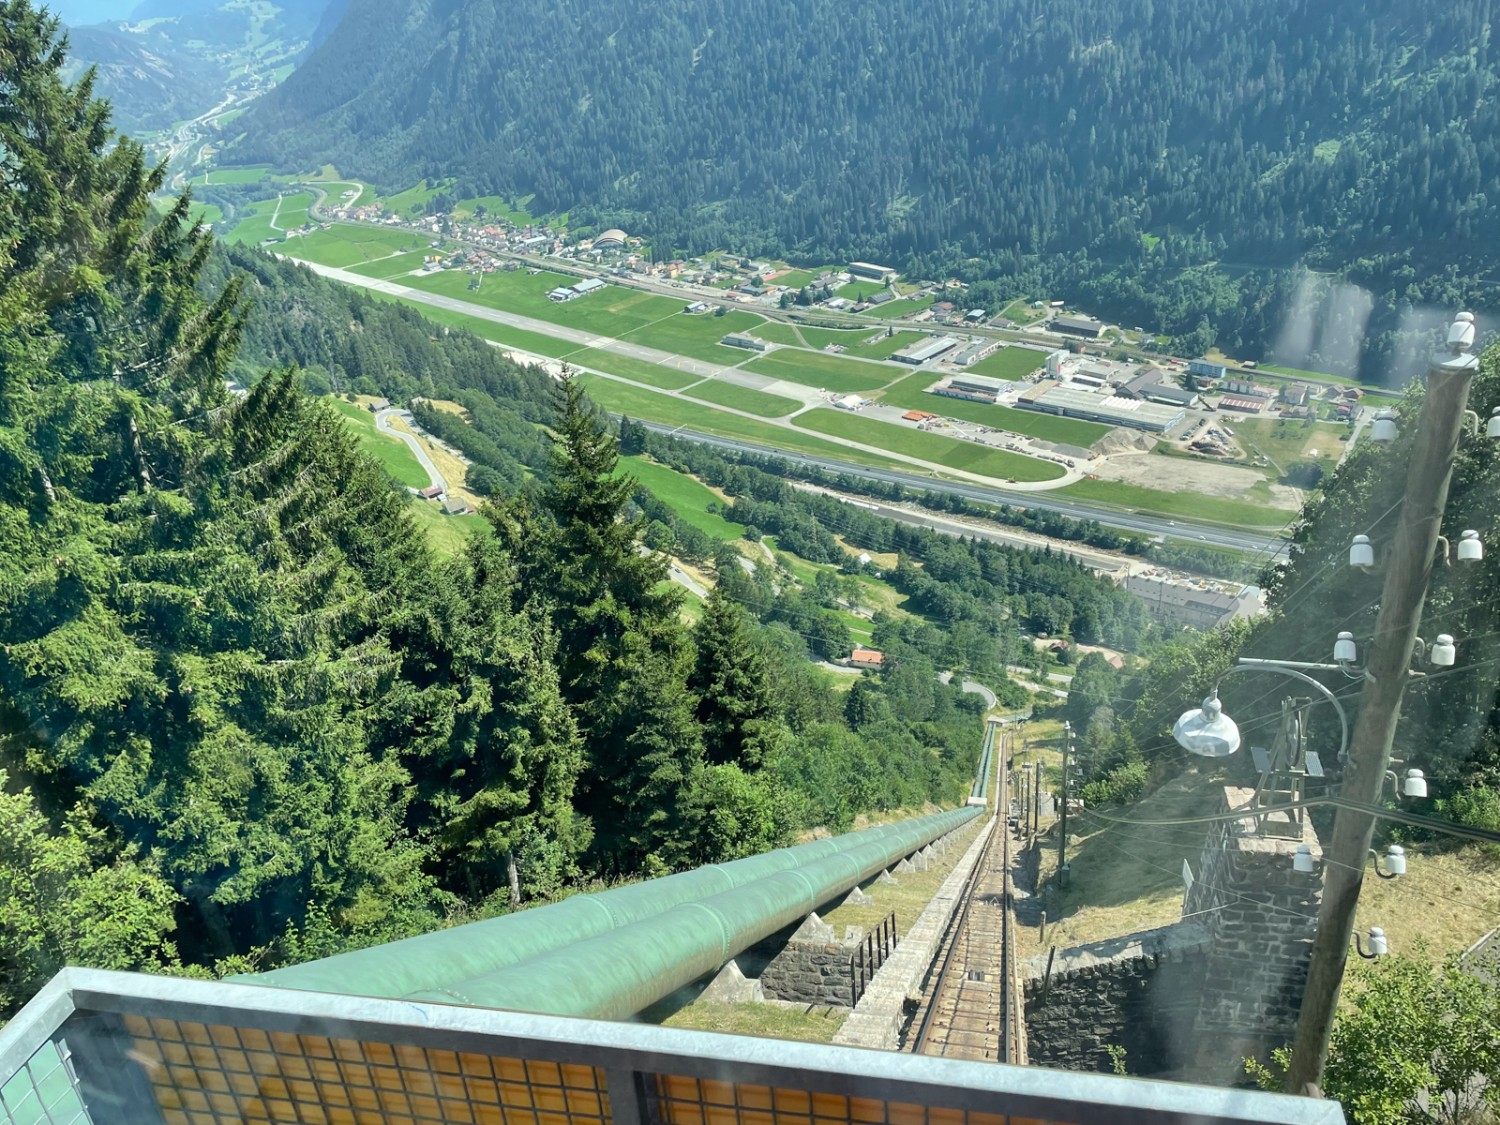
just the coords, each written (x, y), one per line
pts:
(1207, 731)
(1470, 547)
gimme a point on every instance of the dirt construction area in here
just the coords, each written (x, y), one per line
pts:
(1179, 474)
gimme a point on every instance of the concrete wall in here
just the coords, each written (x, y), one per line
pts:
(1139, 993)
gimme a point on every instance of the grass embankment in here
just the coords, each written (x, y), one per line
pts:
(1444, 903)
(685, 495)
(391, 452)
(908, 896)
(1124, 878)
(969, 456)
(1192, 505)
(448, 535)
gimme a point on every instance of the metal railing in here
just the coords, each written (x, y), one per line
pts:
(140, 1048)
(865, 961)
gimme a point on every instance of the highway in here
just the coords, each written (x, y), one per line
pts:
(1254, 542)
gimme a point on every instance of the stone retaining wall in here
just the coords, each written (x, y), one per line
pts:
(1139, 993)
(813, 966)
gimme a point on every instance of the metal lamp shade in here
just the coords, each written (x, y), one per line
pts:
(1207, 731)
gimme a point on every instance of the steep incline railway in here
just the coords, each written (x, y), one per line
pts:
(970, 1008)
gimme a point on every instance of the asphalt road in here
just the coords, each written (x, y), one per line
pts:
(973, 687)
(383, 424)
(1128, 521)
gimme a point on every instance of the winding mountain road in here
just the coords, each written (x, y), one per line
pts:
(383, 424)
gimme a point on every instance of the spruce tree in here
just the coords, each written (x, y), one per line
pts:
(735, 698)
(621, 650)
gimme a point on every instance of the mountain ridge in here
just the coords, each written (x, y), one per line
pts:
(1042, 144)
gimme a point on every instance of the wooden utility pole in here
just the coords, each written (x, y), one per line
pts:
(1388, 668)
(1062, 833)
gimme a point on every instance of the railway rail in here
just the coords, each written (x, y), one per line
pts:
(971, 1008)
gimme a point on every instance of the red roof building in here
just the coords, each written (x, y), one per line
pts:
(867, 658)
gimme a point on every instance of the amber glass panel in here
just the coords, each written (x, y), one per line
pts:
(678, 1100)
(224, 1075)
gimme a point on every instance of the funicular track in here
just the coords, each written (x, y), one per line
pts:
(970, 1008)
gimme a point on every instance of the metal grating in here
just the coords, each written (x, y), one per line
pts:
(44, 1091)
(204, 1074)
(678, 1100)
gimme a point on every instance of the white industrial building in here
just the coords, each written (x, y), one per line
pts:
(1195, 602)
(1112, 410)
(928, 349)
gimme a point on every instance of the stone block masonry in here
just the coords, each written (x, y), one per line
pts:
(1260, 916)
(1139, 992)
(813, 968)
(1194, 999)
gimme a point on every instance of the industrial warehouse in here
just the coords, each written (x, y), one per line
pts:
(978, 388)
(1050, 397)
(925, 350)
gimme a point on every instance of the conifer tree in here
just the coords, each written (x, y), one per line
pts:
(621, 651)
(735, 699)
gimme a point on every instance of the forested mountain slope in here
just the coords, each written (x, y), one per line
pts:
(249, 715)
(149, 84)
(1014, 132)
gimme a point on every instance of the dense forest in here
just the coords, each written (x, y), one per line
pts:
(249, 715)
(1169, 163)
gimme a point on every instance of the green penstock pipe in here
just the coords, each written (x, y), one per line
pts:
(615, 975)
(440, 959)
